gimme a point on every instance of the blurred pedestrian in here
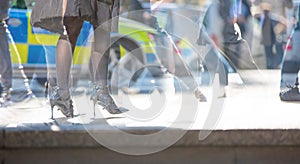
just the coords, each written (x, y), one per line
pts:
(5, 58)
(273, 29)
(66, 17)
(279, 9)
(168, 57)
(220, 23)
(291, 92)
(273, 24)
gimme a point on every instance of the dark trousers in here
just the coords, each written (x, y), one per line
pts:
(273, 60)
(5, 59)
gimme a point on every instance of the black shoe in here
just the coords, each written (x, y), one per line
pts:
(291, 93)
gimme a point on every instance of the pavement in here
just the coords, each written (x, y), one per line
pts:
(248, 125)
(250, 103)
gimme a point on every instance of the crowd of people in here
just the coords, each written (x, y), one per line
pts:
(233, 30)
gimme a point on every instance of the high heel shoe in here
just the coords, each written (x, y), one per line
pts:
(101, 95)
(64, 103)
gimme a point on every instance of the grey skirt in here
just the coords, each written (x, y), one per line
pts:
(48, 14)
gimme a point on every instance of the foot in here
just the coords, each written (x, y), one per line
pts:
(102, 96)
(62, 100)
(291, 93)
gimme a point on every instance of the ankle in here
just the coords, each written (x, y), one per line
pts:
(60, 92)
(101, 89)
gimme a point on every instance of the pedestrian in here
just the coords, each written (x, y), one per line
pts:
(66, 17)
(273, 24)
(169, 59)
(220, 24)
(5, 58)
(291, 92)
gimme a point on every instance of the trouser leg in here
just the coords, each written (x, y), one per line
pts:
(279, 53)
(269, 57)
(232, 52)
(5, 58)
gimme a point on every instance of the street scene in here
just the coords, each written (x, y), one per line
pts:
(142, 81)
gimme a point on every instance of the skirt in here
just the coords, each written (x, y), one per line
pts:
(48, 14)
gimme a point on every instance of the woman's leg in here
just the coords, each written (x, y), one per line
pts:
(65, 49)
(60, 93)
(100, 56)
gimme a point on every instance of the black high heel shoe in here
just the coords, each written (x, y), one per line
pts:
(64, 104)
(100, 94)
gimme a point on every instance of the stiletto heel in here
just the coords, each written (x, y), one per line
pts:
(64, 104)
(101, 95)
(52, 112)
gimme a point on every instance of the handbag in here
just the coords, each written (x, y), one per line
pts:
(48, 14)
